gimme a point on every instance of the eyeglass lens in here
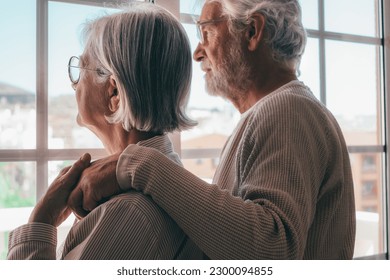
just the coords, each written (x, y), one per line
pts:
(74, 70)
(199, 33)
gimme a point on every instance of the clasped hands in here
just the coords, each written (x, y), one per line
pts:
(79, 188)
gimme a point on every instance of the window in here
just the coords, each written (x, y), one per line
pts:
(343, 61)
(369, 163)
(369, 189)
(343, 64)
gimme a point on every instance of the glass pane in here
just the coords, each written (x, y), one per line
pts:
(17, 184)
(353, 89)
(369, 187)
(55, 167)
(17, 74)
(193, 7)
(65, 22)
(17, 196)
(204, 168)
(358, 17)
(3, 244)
(309, 13)
(309, 68)
(216, 117)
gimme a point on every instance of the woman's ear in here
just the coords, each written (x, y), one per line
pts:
(255, 31)
(113, 95)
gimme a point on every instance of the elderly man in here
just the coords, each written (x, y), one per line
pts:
(283, 188)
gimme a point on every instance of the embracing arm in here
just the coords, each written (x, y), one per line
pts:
(278, 172)
(222, 225)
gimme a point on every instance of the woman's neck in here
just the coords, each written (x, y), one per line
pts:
(115, 139)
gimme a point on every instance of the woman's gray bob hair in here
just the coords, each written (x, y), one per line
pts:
(147, 52)
(286, 36)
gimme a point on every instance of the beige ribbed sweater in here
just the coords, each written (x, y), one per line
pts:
(283, 188)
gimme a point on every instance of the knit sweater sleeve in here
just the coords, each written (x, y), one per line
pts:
(202, 210)
(269, 215)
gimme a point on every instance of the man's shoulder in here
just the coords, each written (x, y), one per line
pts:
(291, 100)
(290, 93)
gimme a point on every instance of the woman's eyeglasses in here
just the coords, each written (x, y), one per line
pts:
(74, 69)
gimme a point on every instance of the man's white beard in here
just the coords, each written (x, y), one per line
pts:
(230, 79)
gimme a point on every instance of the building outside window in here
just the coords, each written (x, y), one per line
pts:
(343, 64)
(369, 163)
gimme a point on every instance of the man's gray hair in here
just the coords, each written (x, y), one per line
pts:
(286, 36)
(147, 51)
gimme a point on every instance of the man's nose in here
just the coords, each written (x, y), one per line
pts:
(199, 53)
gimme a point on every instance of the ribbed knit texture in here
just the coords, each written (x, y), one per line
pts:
(283, 188)
(128, 226)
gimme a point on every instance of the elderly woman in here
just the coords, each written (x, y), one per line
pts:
(132, 84)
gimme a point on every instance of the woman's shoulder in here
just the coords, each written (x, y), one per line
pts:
(132, 199)
(135, 203)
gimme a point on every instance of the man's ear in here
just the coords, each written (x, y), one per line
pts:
(113, 94)
(255, 31)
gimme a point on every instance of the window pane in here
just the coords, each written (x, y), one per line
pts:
(358, 17)
(204, 168)
(17, 74)
(193, 7)
(3, 245)
(353, 90)
(65, 22)
(309, 68)
(309, 13)
(369, 188)
(216, 117)
(17, 184)
(54, 168)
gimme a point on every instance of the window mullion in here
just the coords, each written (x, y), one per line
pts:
(42, 97)
(321, 48)
(386, 34)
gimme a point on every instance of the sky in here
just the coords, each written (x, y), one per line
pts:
(351, 68)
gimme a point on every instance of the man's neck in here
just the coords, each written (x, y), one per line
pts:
(263, 86)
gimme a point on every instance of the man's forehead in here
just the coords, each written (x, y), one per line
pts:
(211, 10)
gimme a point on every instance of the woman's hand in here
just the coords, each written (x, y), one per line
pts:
(97, 184)
(52, 208)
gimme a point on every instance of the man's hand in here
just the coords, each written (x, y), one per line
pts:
(96, 185)
(52, 208)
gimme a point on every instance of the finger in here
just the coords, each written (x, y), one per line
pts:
(63, 171)
(83, 162)
(71, 177)
(75, 201)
